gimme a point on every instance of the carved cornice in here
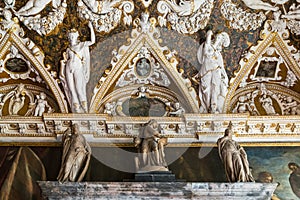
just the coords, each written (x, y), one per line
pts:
(189, 130)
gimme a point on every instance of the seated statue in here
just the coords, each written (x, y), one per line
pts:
(234, 158)
(150, 145)
(76, 156)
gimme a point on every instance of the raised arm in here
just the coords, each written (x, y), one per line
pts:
(93, 37)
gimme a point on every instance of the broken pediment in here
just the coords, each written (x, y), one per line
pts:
(28, 88)
(143, 63)
(267, 83)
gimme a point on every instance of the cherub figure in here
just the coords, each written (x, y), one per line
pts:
(7, 22)
(33, 7)
(176, 110)
(41, 105)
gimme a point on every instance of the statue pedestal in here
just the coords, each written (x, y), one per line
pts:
(156, 190)
(155, 176)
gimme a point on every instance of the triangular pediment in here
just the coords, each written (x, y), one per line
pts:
(268, 72)
(144, 63)
(22, 68)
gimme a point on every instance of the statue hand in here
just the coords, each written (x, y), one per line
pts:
(90, 25)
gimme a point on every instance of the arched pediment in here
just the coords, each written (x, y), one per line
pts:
(22, 67)
(268, 72)
(143, 62)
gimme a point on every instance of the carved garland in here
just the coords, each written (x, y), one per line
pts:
(186, 17)
(44, 25)
(106, 22)
(240, 19)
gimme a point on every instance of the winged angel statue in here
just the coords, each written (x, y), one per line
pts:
(213, 78)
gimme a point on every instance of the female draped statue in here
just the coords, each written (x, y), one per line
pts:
(76, 156)
(234, 158)
(213, 78)
(75, 70)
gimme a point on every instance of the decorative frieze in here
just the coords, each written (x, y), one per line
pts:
(189, 129)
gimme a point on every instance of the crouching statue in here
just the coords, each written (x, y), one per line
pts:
(150, 144)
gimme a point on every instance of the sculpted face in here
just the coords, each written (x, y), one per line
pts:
(73, 36)
(75, 129)
(7, 15)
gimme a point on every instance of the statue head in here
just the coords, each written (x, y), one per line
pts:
(222, 40)
(209, 35)
(7, 15)
(73, 35)
(228, 131)
(20, 88)
(75, 129)
(42, 95)
(177, 105)
(153, 123)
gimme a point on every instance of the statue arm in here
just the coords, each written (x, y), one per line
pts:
(88, 148)
(93, 37)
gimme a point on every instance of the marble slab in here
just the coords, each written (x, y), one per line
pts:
(156, 190)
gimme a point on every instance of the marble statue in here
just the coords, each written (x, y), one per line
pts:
(267, 104)
(213, 78)
(151, 144)
(234, 158)
(242, 106)
(176, 109)
(294, 178)
(7, 22)
(259, 5)
(76, 156)
(110, 108)
(75, 70)
(41, 104)
(33, 7)
(17, 100)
